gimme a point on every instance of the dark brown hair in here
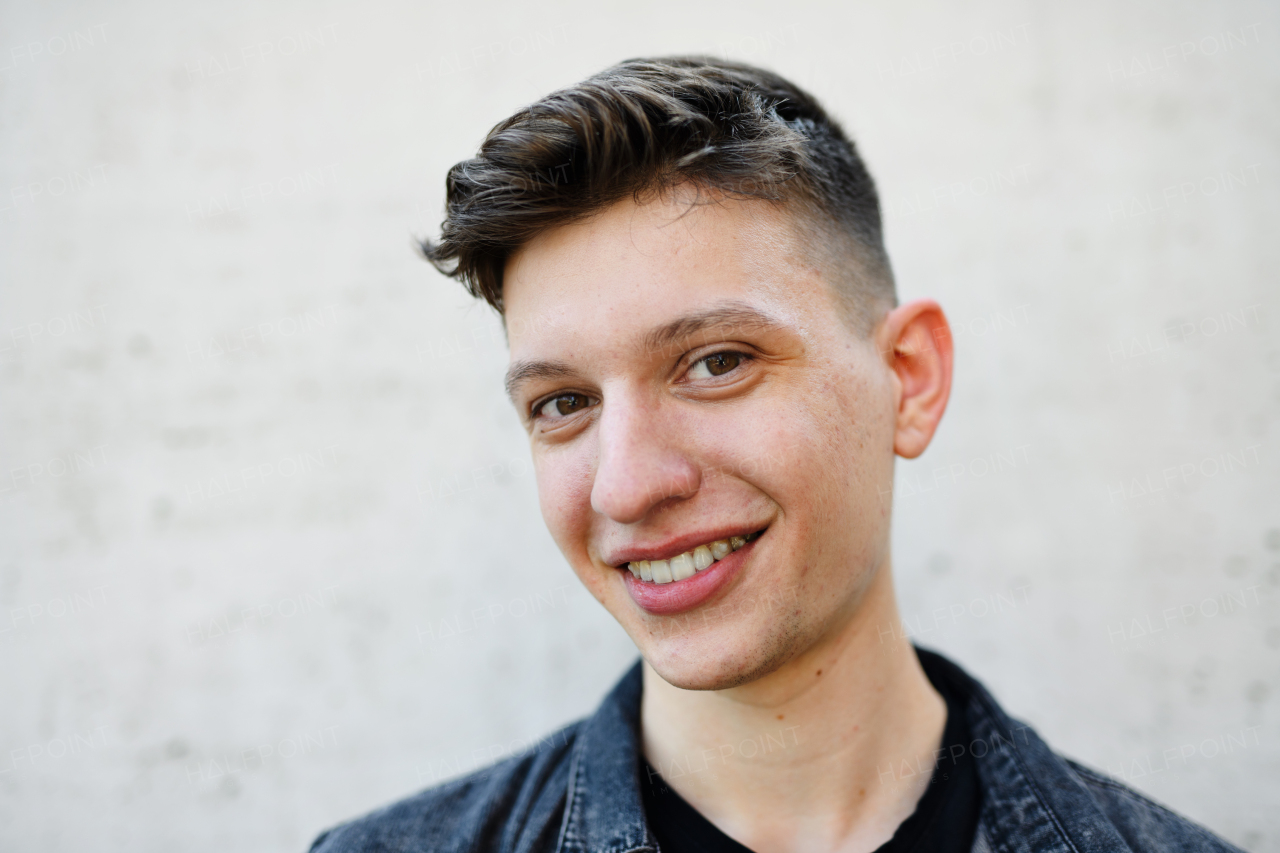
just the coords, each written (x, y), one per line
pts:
(649, 125)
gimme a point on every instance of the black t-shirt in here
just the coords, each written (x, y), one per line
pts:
(944, 821)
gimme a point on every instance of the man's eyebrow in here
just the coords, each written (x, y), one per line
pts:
(523, 371)
(728, 320)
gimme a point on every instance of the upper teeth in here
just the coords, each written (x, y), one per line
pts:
(687, 564)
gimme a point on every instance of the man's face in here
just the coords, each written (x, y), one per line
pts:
(687, 380)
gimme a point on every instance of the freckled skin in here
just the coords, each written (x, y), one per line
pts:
(799, 440)
(803, 451)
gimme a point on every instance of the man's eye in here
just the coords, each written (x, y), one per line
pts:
(563, 406)
(716, 365)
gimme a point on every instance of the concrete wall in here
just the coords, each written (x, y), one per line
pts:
(272, 555)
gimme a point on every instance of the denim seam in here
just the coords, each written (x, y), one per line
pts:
(568, 835)
(1132, 795)
(991, 720)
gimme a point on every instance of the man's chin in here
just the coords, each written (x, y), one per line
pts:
(690, 668)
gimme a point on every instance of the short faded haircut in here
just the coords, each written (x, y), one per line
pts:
(647, 126)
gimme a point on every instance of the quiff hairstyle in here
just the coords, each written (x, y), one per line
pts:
(647, 126)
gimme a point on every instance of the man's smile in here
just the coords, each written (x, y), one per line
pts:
(686, 564)
(678, 577)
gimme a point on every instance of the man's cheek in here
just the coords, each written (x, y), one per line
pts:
(565, 501)
(759, 448)
(599, 584)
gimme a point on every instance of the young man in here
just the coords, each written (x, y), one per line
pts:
(715, 375)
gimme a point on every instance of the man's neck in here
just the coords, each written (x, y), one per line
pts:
(795, 761)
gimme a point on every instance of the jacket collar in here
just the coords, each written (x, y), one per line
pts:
(604, 812)
(1031, 802)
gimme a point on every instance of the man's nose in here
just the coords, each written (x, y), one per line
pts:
(641, 463)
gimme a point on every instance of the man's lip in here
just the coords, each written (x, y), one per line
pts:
(676, 546)
(710, 584)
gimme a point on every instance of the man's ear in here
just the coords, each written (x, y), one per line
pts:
(915, 341)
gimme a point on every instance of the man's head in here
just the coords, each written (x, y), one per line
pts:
(705, 353)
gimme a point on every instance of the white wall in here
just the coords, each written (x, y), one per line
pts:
(1078, 183)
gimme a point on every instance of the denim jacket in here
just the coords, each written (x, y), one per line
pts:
(579, 792)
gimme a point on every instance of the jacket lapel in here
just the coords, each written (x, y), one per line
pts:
(604, 812)
(1031, 802)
